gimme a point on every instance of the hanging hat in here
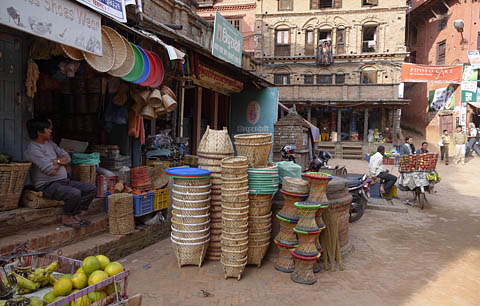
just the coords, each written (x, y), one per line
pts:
(137, 69)
(169, 103)
(72, 53)
(148, 112)
(155, 99)
(118, 45)
(160, 71)
(105, 62)
(167, 91)
(160, 111)
(128, 64)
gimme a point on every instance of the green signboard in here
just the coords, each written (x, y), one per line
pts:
(227, 42)
(469, 84)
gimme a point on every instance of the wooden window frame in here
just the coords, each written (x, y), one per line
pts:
(365, 47)
(368, 71)
(340, 46)
(329, 76)
(280, 8)
(369, 3)
(336, 78)
(310, 47)
(282, 49)
(233, 22)
(282, 74)
(441, 54)
(311, 79)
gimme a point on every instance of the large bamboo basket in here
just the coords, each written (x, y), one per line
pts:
(235, 229)
(186, 219)
(189, 227)
(233, 268)
(254, 236)
(234, 178)
(237, 254)
(190, 252)
(234, 165)
(233, 235)
(256, 147)
(231, 197)
(235, 204)
(85, 173)
(259, 221)
(192, 189)
(120, 214)
(191, 203)
(237, 241)
(259, 228)
(191, 182)
(260, 207)
(12, 179)
(240, 184)
(295, 185)
(191, 196)
(215, 142)
(190, 234)
(234, 222)
(207, 165)
(190, 212)
(230, 215)
(235, 210)
(256, 253)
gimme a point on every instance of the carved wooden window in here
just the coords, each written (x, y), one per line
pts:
(340, 78)
(441, 52)
(324, 79)
(281, 78)
(368, 77)
(309, 42)
(285, 5)
(308, 79)
(340, 44)
(282, 43)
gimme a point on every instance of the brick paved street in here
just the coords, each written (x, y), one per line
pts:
(428, 257)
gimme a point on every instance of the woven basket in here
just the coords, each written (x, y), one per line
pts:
(230, 215)
(253, 138)
(260, 208)
(233, 178)
(193, 189)
(260, 221)
(259, 228)
(191, 203)
(235, 197)
(215, 232)
(214, 207)
(214, 169)
(33, 199)
(256, 253)
(216, 223)
(190, 234)
(185, 219)
(212, 159)
(259, 241)
(233, 268)
(256, 147)
(237, 222)
(120, 214)
(235, 204)
(139, 178)
(239, 242)
(215, 142)
(241, 184)
(216, 214)
(190, 196)
(235, 255)
(235, 210)
(215, 244)
(235, 229)
(190, 253)
(230, 235)
(192, 182)
(189, 227)
(295, 185)
(263, 235)
(85, 173)
(234, 161)
(190, 212)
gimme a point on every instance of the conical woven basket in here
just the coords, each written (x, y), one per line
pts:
(190, 252)
(233, 268)
(190, 227)
(215, 142)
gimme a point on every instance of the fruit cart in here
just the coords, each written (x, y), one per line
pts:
(418, 175)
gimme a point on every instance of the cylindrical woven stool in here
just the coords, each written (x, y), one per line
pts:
(120, 214)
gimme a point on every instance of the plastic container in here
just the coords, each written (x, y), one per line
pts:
(103, 183)
(161, 199)
(142, 204)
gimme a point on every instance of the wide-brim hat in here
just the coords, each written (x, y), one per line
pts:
(146, 67)
(160, 71)
(128, 64)
(137, 69)
(141, 96)
(148, 112)
(118, 45)
(105, 62)
(153, 70)
(155, 99)
(169, 103)
(72, 52)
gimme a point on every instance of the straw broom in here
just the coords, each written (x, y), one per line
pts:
(330, 241)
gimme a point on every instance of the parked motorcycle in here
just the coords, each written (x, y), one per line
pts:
(359, 188)
(288, 152)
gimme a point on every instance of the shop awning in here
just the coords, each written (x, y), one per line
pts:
(475, 104)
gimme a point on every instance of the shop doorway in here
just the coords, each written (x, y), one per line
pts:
(10, 84)
(446, 123)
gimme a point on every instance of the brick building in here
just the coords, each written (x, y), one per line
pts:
(338, 62)
(433, 40)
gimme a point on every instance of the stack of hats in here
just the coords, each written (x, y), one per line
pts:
(234, 239)
(293, 190)
(190, 214)
(213, 147)
(263, 184)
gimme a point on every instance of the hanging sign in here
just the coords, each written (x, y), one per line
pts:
(227, 41)
(469, 84)
(441, 99)
(61, 21)
(111, 8)
(217, 81)
(474, 58)
(431, 74)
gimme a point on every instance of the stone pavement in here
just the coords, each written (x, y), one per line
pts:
(428, 257)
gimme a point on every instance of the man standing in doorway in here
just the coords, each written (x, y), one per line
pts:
(49, 175)
(459, 140)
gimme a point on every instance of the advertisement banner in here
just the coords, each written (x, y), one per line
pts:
(469, 84)
(431, 74)
(111, 8)
(441, 99)
(474, 58)
(254, 111)
(221, 83)
(61, 21)
(227, 41)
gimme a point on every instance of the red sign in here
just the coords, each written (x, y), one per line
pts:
(431, 74)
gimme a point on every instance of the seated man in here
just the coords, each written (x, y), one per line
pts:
(375, 167)
(423, 149)
(49, 175)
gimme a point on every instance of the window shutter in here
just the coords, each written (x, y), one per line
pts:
(372, 2)
(337, 4)
(314, 4)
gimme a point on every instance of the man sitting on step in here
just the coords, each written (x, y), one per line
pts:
(375, 167)
(48, 174)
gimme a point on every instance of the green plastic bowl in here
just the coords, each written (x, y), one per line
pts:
(137, 68)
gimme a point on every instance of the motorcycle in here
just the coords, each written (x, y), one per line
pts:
(359, 188)
(288, 152)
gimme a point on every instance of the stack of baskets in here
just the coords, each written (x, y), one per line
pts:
(85, 173)
(140, 179)
(234, 239)
(12, 179)
(190, 214)
(213, 147)
(120, 214)
(263, 184)
(256, 147)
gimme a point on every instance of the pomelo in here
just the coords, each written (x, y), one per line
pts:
(113, 268)
(62, 287)
(97, 277)
(79, 280)
(49, 297)
(82, 301)
(80, 270)
(97, 296)
(90, 264)
(111, 289)
(104, 261)
(68, 276)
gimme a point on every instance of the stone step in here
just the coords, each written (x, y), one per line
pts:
(117, 246)
(23, 218)
(53, 235)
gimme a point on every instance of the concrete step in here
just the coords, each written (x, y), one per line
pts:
(117, 246)
(352, 156)
(23, 218)
(53, 235)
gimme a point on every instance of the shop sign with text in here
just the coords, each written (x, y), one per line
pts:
(474, 58)
(441, 99)
(431, 74)
(61, 21)
(217, 81)
(227, 41)
(469, 84)
(111, 8)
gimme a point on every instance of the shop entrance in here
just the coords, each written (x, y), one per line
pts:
(10, 108)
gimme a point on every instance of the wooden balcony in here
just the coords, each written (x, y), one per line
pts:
(338, 94)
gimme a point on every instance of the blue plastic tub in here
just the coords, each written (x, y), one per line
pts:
(142, 204)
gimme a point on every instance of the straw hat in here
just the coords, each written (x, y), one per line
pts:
(105, 62)
(118, 45)
(72, 53)
(169, 103)
(160, 111)
(155, 99)
(148, 112)
(128, 64)
(167, 91)
(141, 97)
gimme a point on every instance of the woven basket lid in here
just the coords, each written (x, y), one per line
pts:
(160, 71)
(215, 142)
(137, 69)
(128, 64)
(72, 53)
(118, 45)
(105, 62)
(148, 112)
(155, 99)
(153, 70)
(169, 103)
(167, 91)
(146, 67)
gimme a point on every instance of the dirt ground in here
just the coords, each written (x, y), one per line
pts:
(428, 257)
